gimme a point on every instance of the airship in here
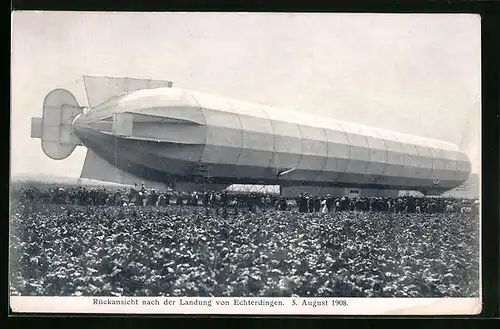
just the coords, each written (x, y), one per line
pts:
(143, 130)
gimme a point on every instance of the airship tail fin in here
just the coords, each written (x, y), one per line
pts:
(100, 89)
(55, 127)
(98, 169)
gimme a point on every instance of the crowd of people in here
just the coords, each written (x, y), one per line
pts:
(304, 203)
(403, 204)
(70, 250)
(142, 196)
(84, 241)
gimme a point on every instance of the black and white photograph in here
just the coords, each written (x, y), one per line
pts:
(245, 163)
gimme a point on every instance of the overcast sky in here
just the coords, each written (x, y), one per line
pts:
(418, 74)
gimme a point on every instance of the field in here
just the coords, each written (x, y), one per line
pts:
(72, 250)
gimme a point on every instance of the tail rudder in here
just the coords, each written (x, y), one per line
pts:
(55, 127)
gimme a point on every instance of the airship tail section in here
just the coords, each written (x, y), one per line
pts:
(55, 127)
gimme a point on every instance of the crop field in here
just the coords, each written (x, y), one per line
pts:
(71, 250)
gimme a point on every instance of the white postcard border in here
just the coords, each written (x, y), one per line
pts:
(248, 306)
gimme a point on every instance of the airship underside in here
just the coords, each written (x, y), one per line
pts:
(170, 135)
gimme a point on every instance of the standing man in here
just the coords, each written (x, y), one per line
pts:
(302, 203)
(317, 204)
(329, 202)
(310, 203)
(153, 197)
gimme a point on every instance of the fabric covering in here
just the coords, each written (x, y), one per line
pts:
(248, 140)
